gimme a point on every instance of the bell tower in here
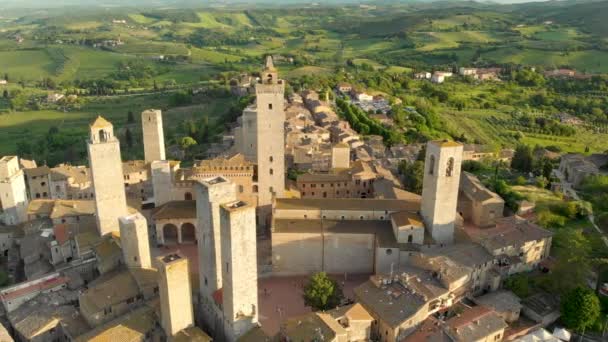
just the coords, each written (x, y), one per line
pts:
(440, 187)
(106, 170)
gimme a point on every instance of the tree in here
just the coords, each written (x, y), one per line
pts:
(580, 308)
(129, 138)
(322, 292)
(130, 117)
(187, 142)
(518, 284)
(523, 158)
(412, 174)
(5, 94)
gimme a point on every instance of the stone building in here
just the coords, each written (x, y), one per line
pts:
(154, 139)
(38, 182)
(175, 294)
(478, 204)
(134, 241)
(239, 293)
(175, 223)
(577, 167)
(71, 182)
(13, 192)
(261, 138)
(107, 175)
(440, 188)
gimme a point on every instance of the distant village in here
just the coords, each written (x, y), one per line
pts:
(152, 250)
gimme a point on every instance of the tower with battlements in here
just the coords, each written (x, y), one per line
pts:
(440, 188)
(263, 138)
(106, 170)
(239, 269)
(134, 241)
(154, 140)
(13, 192)
(175, 293)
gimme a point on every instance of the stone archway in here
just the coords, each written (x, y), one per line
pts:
(170, 234)
(188, 233)
(188, 196)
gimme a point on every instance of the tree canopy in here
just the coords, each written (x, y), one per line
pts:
(322, 292)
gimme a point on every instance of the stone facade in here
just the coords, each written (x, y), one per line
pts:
(154, 140)
(106, 171)
(13, 192)
(175, 293)
(478, 204)
(239, 269)
(134, 241)
(263, 138)
(340, 156)
(210, 195)
(440, 188)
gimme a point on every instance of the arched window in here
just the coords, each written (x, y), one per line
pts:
(188, 196)
(271, 159)
(271, 172)
(255, 188)
(431, 165)
(450, 168)
(102, 135)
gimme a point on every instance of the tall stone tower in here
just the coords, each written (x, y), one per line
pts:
(175, 293)
(440, 188)
(134, 241)
(13, 193)
(106, 171)
(263, 130)
(154, 140)
(210, 194)
(161, 181)
(239, 269)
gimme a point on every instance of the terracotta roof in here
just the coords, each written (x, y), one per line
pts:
(390, 205)
(446, 143)
(133, 326)
(175, 210)
(100, 122)
(403, 218)
(191, 334)
(8, 294)
(37, 171)
(61, 232)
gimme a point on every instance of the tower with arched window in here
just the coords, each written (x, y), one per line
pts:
(106, 171)
(440, 188)
(263, 138)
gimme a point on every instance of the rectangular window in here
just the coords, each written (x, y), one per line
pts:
(270, 106)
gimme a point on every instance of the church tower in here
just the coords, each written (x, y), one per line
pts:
(106, 170)
(154, 140)
(239, 269)
(134, 241)
(440, 188)
(13, 193)
(269, 144)
(175, 293)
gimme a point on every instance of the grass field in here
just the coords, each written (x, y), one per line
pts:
(589, 60)
(449, 40)
(21, 126)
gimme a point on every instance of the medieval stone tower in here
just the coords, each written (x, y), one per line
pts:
(210, 195)
(106, 171)
(263, 139)
(154, 140)
(440, 188)
(175, 293)
(13, 193)
(239, 269)
(134, 241)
